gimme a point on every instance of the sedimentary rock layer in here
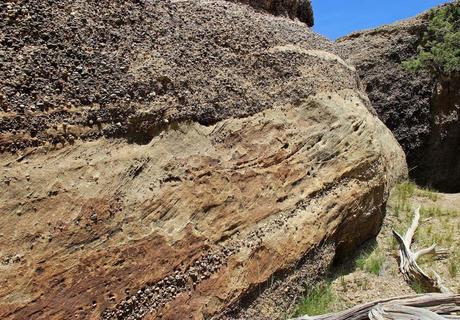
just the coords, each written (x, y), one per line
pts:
(190, 222)
(119, 68)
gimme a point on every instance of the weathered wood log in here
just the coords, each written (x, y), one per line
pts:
(408, 259)
(398, 312)
(432, 306)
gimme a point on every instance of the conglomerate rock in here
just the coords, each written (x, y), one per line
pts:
(99, 64)
(220, 148)
(420, 109)
(295, 9)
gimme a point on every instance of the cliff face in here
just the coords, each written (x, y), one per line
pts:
(420, 110)
(166, 159)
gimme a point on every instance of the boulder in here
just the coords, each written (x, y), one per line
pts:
(244, 147)
(419, 108)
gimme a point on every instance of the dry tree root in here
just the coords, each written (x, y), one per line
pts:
(408, 259)
(431, 306)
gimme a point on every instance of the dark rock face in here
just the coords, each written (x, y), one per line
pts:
(440, 163)
(420, 110)
(102, 63)
(294, 9)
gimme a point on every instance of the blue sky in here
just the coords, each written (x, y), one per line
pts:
(336, 18)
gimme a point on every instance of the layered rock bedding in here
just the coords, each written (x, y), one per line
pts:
(164, 160)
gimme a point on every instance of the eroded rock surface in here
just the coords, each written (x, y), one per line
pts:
(257, 150)
(421, 110)
(105, 68)
(295, 9)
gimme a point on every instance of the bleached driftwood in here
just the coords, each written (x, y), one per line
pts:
(383, 312)
(408, 259)
(432, 306)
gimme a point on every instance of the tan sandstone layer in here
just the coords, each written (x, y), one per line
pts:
(218, 209)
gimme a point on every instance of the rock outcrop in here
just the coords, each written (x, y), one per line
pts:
(421, 110)
(294, 9)
(171, 158)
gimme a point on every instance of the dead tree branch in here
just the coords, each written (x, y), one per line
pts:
(408, 259)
